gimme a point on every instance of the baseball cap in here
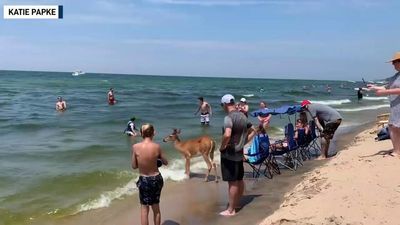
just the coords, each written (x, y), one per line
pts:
(228, 99)
(243, 100)
(305, 102)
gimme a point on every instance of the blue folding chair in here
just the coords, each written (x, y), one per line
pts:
(259, 155)
(315, 144)
(289, 156)
(303, 141)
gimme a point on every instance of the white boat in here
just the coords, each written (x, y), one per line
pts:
(77, 73)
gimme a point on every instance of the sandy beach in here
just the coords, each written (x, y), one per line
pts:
(358, 186)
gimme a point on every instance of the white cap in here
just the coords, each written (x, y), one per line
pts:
(243, 100)
(227, 99)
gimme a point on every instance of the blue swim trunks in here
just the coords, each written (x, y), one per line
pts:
(150, 189)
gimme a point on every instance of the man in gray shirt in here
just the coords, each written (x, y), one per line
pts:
(235, 135)
(327, 120)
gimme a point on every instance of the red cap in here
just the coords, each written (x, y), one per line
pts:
(304, 103)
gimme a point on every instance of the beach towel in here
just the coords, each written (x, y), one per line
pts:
(259, 149)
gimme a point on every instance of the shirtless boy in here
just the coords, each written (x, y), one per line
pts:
(145, 156)
(205, 111)
(61, 105)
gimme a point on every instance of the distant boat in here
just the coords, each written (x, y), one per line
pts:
(77, 73)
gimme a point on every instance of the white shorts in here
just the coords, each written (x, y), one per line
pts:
(205, 118)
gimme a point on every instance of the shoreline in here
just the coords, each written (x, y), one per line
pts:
(196, 202)
(357, 187)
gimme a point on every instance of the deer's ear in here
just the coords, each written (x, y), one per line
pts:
(174, 131)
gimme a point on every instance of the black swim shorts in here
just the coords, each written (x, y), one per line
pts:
(231, 170)
(330, 128)
(150, 189)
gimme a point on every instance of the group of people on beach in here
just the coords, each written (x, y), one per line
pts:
(147, 156)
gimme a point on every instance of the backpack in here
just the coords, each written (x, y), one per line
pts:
(259, 149)
(383, 134)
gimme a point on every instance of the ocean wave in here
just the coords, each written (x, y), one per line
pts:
(28, 126)
(375, 98)
(175, 172)
(248, 95)
(297, 93)
(106, 198)
(332, 102)
(363, 108)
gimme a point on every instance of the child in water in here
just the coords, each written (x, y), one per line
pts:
(145, 157)
(130, 129)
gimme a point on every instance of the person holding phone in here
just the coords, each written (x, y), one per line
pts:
(392, 89)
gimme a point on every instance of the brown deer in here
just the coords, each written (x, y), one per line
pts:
(204, 146)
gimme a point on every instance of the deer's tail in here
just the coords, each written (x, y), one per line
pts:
(212, 150)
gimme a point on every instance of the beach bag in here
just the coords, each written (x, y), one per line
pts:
(383, 134)
(259, 149)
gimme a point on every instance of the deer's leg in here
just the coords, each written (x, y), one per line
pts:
(215, 171)
(209, 165)
(187, 166)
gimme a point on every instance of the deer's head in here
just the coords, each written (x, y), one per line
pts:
(173, 136)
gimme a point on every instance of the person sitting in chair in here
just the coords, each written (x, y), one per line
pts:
(301, 129)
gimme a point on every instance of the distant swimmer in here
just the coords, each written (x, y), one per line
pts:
(205, 111)
(328, 89)
(243, 107)
(131, 129)
(359, 94)
(111, 97)
(61, 105)
(264, 119)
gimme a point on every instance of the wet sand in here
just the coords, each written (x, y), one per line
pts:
(194, 201)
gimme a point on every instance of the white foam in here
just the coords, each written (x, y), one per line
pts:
(106, 198)
(375, 98)
(332, 102)
(364, 108)
(174, 171)
(248, 95)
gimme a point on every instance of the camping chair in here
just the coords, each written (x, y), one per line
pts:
(314, 143)
(303, 141)
(289, 156)
(259, 155)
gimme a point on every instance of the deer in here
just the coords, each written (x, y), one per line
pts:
(203, 146)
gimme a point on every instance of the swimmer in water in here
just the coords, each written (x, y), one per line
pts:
(111, 97)
(61, 105)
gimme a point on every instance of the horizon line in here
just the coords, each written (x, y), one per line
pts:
(169, 75)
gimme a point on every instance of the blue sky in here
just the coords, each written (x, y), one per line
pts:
(343, 39)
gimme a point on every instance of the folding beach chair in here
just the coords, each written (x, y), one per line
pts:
(289, 157)
(303, 141)
(315, 144)
(259, 156)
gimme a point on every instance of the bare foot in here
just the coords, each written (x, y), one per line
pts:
(394, 154)
(321, 158)
(227, 213)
